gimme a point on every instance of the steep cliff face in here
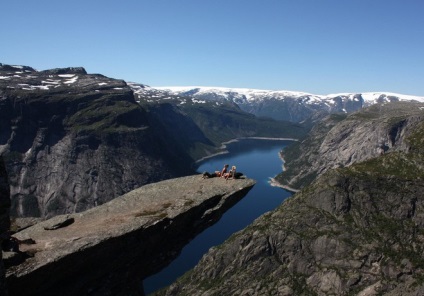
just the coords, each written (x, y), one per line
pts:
(356, 230)
(4, 198)
(4, 217)
(74, 140)
(341, 140)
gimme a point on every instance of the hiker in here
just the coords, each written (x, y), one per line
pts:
(231, 174)
(222, 172)
(9, 243)
(207, 175)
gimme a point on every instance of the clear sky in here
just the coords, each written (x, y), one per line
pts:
(315, 46)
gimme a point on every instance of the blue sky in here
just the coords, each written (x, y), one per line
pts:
(316, 46)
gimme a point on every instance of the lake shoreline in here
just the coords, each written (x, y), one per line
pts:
(275, 183)
(224, 145)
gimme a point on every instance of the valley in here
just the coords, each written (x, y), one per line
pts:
(74, 143)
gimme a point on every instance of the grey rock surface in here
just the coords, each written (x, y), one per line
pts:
(109, 249)
(342, 140)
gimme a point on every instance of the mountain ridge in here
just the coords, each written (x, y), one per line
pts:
(370, 95)
(279, 105)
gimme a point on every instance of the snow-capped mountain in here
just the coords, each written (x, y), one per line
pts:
(280, 105)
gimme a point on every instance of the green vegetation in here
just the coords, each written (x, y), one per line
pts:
(416, 139)
(103, 116)
(395, 164)
(226, 122)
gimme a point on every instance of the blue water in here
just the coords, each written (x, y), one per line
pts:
(257, 159)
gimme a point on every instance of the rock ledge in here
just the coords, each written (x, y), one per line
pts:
(108, 250)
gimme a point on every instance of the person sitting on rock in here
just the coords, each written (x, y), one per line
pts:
(9, 243)
(222, 172)
(231, 174)
(207, 175)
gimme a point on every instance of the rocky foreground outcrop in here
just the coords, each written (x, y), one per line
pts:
(109, 249)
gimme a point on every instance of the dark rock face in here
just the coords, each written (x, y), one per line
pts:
(73, 140)
(109, 249)
(4, 217)
(4, 198)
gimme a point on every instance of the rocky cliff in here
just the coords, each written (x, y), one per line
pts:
(109, 249)
(355, 230)
(341, 140)
(74, 140)
(4, 217)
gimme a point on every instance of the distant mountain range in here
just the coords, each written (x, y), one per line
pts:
(280, 105)
(276, 104)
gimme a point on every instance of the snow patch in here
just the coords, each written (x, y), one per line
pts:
(42, 87)
(72, 80)
(49, 81)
